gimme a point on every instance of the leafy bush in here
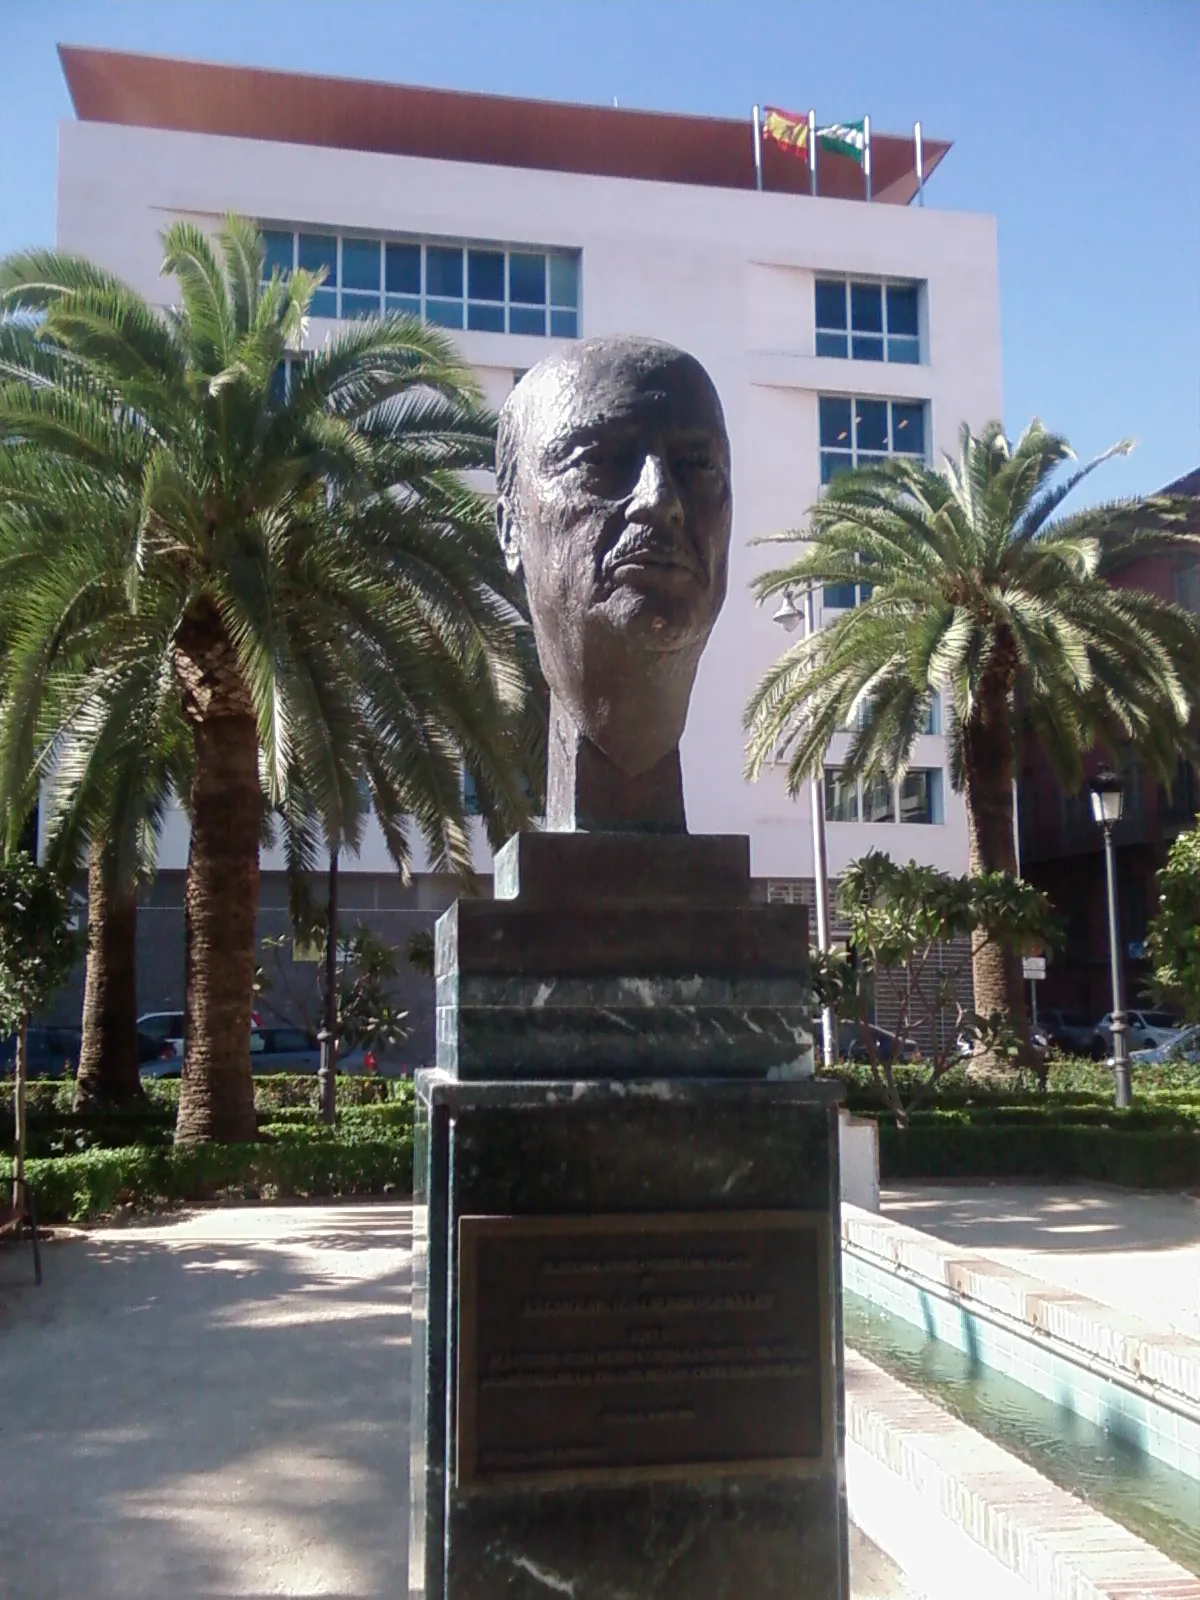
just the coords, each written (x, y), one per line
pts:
(1132, 1156)
(290, 1161)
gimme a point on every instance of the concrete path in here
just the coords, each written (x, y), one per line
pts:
(1139, 1253)
(217, 1407)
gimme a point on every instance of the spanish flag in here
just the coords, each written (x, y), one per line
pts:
(787, 129)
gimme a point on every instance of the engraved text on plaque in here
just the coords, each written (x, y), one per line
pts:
(606, 1347)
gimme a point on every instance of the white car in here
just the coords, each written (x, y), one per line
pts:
(1145, 1030)
(165, 1026)
(1185, 1046)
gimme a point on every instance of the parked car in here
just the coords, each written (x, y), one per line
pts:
(852, 1046)
(170, 1026)
(166, 1026)
(1185, 1046)
(1069, 1031)
(276, 1050)
(51, 1052)
(1146, 1031)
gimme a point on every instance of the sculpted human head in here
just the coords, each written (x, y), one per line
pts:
(614, 500)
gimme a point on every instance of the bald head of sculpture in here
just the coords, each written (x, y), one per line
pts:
(614, 501)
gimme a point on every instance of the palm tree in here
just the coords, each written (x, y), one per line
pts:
(287, 559)
(972, 589)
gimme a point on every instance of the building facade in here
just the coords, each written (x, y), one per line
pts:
(1062, 846)
(836, 331)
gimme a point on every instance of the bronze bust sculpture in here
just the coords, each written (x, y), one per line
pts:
(614, 499)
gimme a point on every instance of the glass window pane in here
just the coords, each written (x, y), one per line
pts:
(871, 425)
(920, 797)
(278, 393)
(410, 305)
(866, 307)
(404, 269)
(832, 344)
(279, 252)
(360, 305)
(834, 462)
(867, 349)
(878, 803)
(485, 318)
(564, 281)
(564, 324)
(485, 275)
(841, 797)
(530, 319)
(360, 264)
(933, 719)
(319, 250)
(527, 279)
(835, 423)
(838, 597)
(902, 308)
(906, 351)
(444, 273)
(908, 428)
(831, 303)
(323, 303)
(445, 313)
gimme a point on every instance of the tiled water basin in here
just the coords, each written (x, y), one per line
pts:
(1100, 1466)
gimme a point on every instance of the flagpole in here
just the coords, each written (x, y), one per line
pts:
(919, 162)
(812, 154)
(758, 183)
(867, 154)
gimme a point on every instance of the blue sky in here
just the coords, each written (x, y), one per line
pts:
(1076, 122)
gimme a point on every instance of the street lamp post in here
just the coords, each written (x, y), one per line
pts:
(789, 618)
(1107, 803)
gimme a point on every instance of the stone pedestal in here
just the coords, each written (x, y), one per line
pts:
(626, 1305)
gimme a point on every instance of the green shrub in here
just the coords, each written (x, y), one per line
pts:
(1130, 1156)
(289, 1162)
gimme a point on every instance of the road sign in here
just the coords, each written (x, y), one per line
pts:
(1034, 967)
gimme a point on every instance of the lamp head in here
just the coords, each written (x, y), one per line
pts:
(1108, 797)
(789, 616)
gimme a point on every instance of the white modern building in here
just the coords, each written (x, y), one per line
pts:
(835, 329)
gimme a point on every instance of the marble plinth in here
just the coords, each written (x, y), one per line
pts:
(661, 1150)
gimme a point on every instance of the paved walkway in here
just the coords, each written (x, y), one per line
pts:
(218, 1407)
(1139, 1253)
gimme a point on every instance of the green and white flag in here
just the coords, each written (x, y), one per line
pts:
(844, 139)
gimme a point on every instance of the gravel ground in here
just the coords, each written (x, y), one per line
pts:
(217, 1406)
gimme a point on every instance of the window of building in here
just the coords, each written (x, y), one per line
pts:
(920, 796)
(933, 717)
(1187, 586)
(470, 795)
(916, 798)
(489, 288)
(855, 432)
(868, 321)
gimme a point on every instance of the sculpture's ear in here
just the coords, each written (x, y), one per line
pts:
(506, 532)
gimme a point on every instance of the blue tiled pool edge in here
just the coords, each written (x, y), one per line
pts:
(1159, 1424)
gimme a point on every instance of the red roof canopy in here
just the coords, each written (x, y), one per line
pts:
(396, 119)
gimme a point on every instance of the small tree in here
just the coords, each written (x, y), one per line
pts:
(913, 932)
(1173, 938)
(367, 967)
(38, 948)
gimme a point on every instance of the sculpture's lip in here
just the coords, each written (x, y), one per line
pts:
(652, 554)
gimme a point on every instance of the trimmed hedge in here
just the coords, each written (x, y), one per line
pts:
(1131, 1156)
(272, 1092)
(289, 1162)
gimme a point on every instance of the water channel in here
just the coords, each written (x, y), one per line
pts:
(1149, 1498)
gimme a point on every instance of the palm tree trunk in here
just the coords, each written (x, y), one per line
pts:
(108, 1056)
(216, 1099)
(987, 757)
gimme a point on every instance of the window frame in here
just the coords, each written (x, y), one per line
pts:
(894, 819)
(854, 457)
(887, 338)
(559, 319)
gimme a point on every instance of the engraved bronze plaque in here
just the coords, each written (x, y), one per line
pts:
(605, 1348)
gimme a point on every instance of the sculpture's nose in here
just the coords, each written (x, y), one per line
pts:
(655, 496)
